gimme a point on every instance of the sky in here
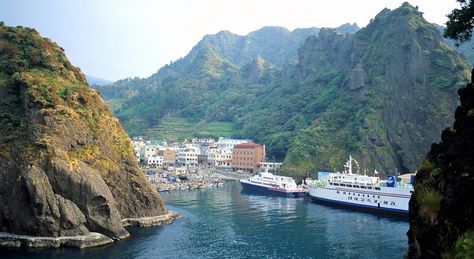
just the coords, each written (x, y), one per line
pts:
(115, 39)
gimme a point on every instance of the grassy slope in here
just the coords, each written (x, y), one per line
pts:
(172, 127)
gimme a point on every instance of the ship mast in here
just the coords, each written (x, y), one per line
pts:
(350, 164)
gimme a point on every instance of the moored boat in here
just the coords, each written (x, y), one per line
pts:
(270, 184)
(363, 191)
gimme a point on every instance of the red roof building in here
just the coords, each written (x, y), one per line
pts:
(247, 156)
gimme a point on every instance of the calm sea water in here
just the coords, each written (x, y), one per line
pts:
(225, 223)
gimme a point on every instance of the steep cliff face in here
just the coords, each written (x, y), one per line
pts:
(441, 208)
(393, 86)
(66, 165)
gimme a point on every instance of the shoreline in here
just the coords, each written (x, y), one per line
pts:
(165, 219)
(206, 178)
(93, 239)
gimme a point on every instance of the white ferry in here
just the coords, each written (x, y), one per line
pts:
(363, 191)
(267, 183)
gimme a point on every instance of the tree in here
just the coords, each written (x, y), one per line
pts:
(461, 22)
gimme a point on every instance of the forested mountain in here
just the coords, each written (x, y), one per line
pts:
(382, 93)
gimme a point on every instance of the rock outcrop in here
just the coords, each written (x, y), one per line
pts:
(442, 208)
(67, 167)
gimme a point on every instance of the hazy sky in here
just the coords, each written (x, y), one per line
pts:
(114, 39)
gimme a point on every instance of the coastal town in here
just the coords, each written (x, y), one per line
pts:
(199, 163)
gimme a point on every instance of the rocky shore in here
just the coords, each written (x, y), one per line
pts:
(203, 178)
(151, 221)
(8, 240)
(93, 239)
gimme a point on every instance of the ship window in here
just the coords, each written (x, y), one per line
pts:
(358, 194)
(349, 185)
(373, 196)
(392, 203)
(385, 202)
(337, 192)
(377, 188)
(375, 201)
(368, 200)
(378, 197)
(363, 187)
(343, 192)
(343, 184)
(355, 198)
(350, 198)
(362, 199)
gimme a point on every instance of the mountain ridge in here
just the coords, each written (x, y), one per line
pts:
(299, 109)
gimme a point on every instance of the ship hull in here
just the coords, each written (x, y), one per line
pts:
(379, 202)
(246, 187)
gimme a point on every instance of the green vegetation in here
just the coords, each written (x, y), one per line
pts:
(441, 210)
(464, 247)
(185, 128)
(382, 94)
(430, 203)
(46, 101)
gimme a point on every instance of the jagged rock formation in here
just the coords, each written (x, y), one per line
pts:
(441, 208)
(66, 165)
(393, 87)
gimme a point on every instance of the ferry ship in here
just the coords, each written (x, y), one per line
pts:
(363, 191)
(270, 184)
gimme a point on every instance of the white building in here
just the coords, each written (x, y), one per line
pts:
(269, 166)
(219, 157)
(148, 151)
(154, 161)
(229, 143)
(201, 141)
(188, 155)
(137, 153)
(138, 144)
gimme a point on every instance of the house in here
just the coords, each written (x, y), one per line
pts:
(138, 144)
(169, 155)
(147, 151)
(188, 155)
(154, 161)
(219, 157)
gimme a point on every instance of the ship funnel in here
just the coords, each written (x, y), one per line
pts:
(391, 181)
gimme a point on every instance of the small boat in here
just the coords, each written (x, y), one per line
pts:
(363, 191)
(270, 184)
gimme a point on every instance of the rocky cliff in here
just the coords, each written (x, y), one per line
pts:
(67, 167)
(441, 208)
(385, 93)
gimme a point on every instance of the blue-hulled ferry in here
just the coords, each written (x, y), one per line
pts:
(276, 185)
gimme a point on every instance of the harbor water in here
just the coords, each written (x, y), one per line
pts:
(225, 223)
